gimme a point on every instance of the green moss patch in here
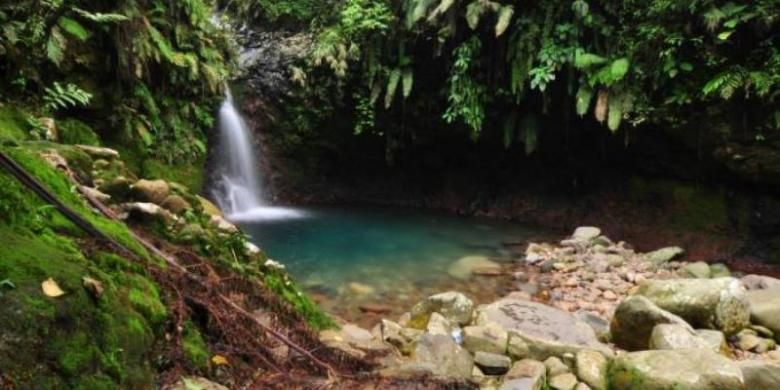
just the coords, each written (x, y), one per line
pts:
(76, 132)
(13, 124)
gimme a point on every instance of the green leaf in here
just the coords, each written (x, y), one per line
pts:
(408, 82)
(473, 13)
(584, 60)
(584, 96)
(505, 14)
(725, 35)
(73, 28)
(686, 66)
(619, 68)
(55, 46)
(392, 86)
(615, 115)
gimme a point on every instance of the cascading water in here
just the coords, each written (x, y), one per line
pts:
(239, 192)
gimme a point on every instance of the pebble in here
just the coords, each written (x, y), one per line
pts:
(610, 295)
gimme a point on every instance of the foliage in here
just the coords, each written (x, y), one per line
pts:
(626, 62)
(154, 67)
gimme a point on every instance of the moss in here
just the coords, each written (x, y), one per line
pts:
(195, 349)
(13, 124)
(76, 132)
(145, 298)
(190, 174)
(281, 284)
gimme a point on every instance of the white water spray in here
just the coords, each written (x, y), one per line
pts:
(239, 192)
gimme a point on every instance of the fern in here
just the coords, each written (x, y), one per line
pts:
(74, 28)
(59, 98)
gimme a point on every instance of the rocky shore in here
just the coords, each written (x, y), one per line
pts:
(590, 313)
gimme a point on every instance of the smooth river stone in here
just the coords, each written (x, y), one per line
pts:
(545, 330)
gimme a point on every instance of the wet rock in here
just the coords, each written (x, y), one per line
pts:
(176, 204)
(759, 282)
(674, 336)
(715, 339)
(586, 233)
(358, 288)
(705, 303)
(664, 255)
(760, 374)
(454, 306)
(98, 152)
(563, 382)
(467, 266)
(492, 363)
(437, 324)
(591, 368)
(546, 331)
(487, 338)
(634, 320)
(443, 356)
(690, 369)
(765, 307)
(698, 270)
(154, 191)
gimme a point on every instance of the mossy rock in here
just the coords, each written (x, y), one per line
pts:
(76, 340)
(75, 132)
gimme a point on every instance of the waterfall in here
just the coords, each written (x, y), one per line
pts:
(239, 191)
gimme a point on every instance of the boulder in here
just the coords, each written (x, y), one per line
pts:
(352, 340)
(437, 324)
(176, 204)
(487, 338)
(154, 191)
(118, 187)
(690, 369)
(591, 368)
(443, 356)
(586, 233)
(715, 339)
(454, 306)
(398, 336)
(704, 303)
(597, 323)
(675, 336)
(525, 374)
(719, 270)
(760, 374)
(545, 330)
(148, 213)
(765, 308)
(664, 255)
(634, 320)
(555, 366)
(492, 363)
(467, 266)
(759, 282)
(698, 270)
(563, 382)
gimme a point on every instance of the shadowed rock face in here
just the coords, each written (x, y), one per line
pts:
(266, 60)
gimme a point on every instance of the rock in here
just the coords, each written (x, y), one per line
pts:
(598, 324)
(537, 252)
(704, 303)
(443, 356)
(555, 366)
(664, 255)
(765, 345)
(222, 224)
(719, 270)
(563, 382)
(454, 306)
(762, 331)
(466, 266)
(154, 191)
(759, 282)
(437, 324)
(586, 233)
(98, 152)
(715, 339)
(95, 194)
(533, 371)
(591, 368)
(520, 384)
(760, 375)
(675, 336)
(176, 204)
(747, 342)
(118, 187)
(634, 320)
(148, 213)
(774, 355)
(209, 208)
(352, 340)
(360, 288)
(546, 331)
(492, 363)
(582, 386)
(690, 369)
(487, 338)
(609, 295)
(401, 338)
(699, 270)
(196, 383)
(765, 308)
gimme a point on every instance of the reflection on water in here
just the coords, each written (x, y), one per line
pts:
(391, 256)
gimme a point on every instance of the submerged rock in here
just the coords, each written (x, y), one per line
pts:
(705, 303)
(690, 369)
(454, 306)
(545, 331)
(465, 267)
(634, 321)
